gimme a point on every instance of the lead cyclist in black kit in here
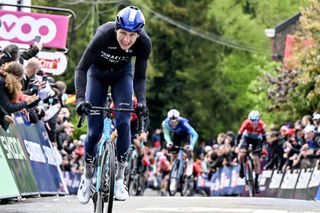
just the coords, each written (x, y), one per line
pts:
(107, 62)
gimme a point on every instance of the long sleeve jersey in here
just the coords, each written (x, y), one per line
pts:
(182, 127)
(105, 53)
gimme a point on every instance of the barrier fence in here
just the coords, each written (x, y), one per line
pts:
(28, 167)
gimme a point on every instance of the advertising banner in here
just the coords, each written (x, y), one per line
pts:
(72, 181)
(41, 157)
(54, 168)
(9, 188)
(16, 156)
(22, 27)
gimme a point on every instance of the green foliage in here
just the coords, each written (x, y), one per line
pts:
(213, 85)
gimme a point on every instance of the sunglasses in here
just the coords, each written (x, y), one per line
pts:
(174, 122)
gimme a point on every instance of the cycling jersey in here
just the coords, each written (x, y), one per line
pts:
(106, 55)
(182, 128)
(254, 132)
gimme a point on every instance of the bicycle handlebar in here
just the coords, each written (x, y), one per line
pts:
(109, 111)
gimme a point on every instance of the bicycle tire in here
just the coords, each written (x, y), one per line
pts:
(107, 177)
(250, 179)
(173, 179)
(133, 186)
(184, 180)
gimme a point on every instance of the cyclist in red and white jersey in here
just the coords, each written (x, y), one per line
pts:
(252, 131)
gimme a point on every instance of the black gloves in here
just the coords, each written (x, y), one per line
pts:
(83, 107)
(142, 109)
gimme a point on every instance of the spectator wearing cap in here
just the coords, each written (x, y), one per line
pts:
(316, 121)
(309, 150)
(310, 137)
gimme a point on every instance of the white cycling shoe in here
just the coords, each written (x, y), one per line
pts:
(84, 190)
(121, 191)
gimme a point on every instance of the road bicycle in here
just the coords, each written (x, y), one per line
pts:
(105, 161)
(249, 173)
(135, 179)
(178, 179)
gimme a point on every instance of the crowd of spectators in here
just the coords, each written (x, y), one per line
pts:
(27, 89)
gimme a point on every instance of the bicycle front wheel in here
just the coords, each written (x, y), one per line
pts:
(250, 178)
(107, 175)
(173, 179)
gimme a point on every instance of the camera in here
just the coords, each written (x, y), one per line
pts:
(5, 58)
(35, 89)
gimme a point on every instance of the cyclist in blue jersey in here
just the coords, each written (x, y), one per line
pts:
(177, 130)
(107, 62)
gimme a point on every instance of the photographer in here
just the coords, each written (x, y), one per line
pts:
(10, 53)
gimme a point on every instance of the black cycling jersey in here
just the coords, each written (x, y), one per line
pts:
(105, 53)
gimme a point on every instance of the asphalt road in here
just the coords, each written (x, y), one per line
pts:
(154, 204)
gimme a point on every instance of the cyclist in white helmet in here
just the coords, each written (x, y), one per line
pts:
(177, 130)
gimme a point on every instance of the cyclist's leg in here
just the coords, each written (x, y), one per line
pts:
(122, 91)
(186, 140)
(243, 147)
(257, 148)
(96, 94)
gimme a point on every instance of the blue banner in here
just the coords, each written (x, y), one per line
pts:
(40, 155)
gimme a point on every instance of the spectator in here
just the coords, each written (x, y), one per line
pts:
(156, 139)
(10, 53)
(30, 81)
(10, 88)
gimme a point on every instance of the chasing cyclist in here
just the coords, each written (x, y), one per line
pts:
(107, 62)
(176, 130)
(252, 131)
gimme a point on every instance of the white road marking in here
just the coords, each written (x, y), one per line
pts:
(216, 210)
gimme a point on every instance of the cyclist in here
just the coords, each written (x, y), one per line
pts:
(107, 62)
(252, 131)
(176, 130)
(163, 170)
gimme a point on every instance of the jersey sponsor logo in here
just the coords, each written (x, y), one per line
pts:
(114, 58)
(112, 48)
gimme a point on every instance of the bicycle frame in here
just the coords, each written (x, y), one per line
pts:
(179, 161)
(106, 136)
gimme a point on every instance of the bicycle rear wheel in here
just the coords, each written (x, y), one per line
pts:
(250, 178)
(107, 175)
(173, 179)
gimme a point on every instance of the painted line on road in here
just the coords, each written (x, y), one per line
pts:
(217, 210)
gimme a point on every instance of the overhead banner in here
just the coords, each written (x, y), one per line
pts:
(21, 27)
(8, 187)
(16, 156)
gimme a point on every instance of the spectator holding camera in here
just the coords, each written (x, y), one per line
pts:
(10, 88)
(10, 53)
(31, 82)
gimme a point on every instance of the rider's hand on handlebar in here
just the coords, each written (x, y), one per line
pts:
(142, 109)
(189, 148)
(83, 107)
(169, 145)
